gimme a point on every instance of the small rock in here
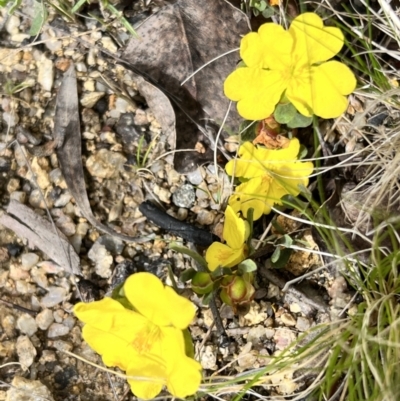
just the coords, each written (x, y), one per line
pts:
(24, 287)
(54, 296)
(182, 214)
(196, 177)
(39, 277)
(283, 338)
(47, 356)
(246, 359)
(12, 24)
(66, 225)
(36, 200)
(256, 334)
(41, 176)
(27, 324)
(63, 199)
(208, 357)
(57, 330)
(18, 196)
(112, 244)
(10, 57)
(44, 319)
(288, 320)
(48, 36)
(25, 350)
(8, 324)
(89, 99)
(163, 193)
(303, 324)
(28, 390)
(18, 273)
(205, 217)
(45, 73)
(102, 259)
(105, 164)
(184, 196)
(28, 260)
(121, 106)
(11, 119)
(140, 117)
(13, 185)
(108, 44)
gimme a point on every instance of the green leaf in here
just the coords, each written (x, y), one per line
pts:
(40, 16)
(78, 6)
(284, 113)
(187, 275)
(283, 258)
(207, 298)
(247, 266)
(276, 255)
(286, 241)
(299, 121)
(262, 5)
(186, 251)
(268, 12)
(221, 271)
(302, 152)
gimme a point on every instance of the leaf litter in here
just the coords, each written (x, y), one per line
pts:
(277, 309)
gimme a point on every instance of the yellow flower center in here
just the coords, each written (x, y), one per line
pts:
(146, 338)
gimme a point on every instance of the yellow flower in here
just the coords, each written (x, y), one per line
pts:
(271, 174)
(291, 63)
(236, 231)
(148, 343)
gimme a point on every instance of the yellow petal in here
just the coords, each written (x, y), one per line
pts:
(183, 373)
(251, 50)
(331, 81)
(257, 161)
(114, 350)
(254, 194)
(221, 255)
(145, 292)
(185, 378)
(313, 42)
(257, 91)
(186, 309)
(150, 298)
(99, 313)
(151, 376)
(236, 230)
(277, 46)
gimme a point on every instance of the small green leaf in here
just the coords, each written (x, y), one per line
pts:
(187, 275)
(299, 121)
(286, 241)
(40, 16)
(221, 271)
(207, 298)
(276, 255)
(302, 152)
(284, 113)
(186, 251)
(268, 12)
(247, 266)
(283, 259)
(262, 5)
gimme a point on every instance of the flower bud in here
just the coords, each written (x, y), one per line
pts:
(202, 283)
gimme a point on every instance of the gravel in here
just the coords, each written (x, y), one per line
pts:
(117, 183)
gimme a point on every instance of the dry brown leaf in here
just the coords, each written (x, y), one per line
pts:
(176, 42)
